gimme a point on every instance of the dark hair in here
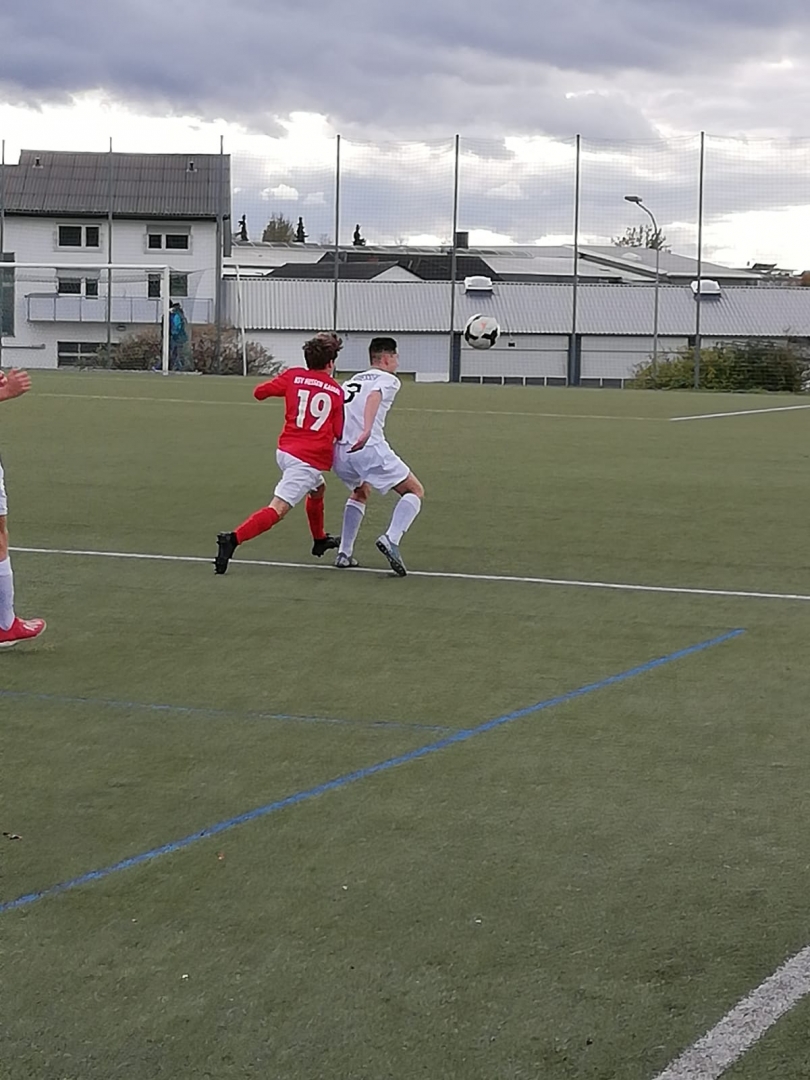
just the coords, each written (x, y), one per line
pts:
(380, 345)
(322, 350)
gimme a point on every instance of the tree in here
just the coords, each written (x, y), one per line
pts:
(636, 236)
(279, 230)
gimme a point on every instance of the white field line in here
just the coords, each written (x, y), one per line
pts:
(747, 1022)
(563, 582)
(405, 408)
(739, 412)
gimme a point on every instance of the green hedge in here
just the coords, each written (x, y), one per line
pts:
(759, 364)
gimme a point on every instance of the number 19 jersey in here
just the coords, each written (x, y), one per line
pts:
(313, 413)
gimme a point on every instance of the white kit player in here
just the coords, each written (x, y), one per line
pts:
(364, 460)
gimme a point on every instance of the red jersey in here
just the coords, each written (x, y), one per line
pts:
(313, 414)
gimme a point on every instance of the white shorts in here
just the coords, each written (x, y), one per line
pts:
(297, 478)
(377, 465)
(3, 499)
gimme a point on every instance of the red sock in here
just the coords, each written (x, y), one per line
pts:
(314, 509)
(257, 523)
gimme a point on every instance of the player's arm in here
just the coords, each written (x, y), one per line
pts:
(13, 384)
(373, 402)
(272, 388)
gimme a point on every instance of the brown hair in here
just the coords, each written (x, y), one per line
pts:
(322, 350)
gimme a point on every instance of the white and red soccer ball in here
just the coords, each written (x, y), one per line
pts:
(481, 331)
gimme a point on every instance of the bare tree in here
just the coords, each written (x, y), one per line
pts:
(636, 236)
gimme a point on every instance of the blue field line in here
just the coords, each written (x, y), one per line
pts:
(361, 774)
(194, 710)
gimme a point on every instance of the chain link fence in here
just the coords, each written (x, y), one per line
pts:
(591, 248)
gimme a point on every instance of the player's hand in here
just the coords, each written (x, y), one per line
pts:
(13, 384)
(361, 442)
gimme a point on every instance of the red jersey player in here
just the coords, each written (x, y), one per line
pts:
(313, 421)
(13, 384)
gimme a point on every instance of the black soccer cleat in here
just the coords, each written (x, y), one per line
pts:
(326, 543)
(226, 546)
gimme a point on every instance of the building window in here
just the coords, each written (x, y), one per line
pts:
(76, 236)
(178, 285)
(75, 286)
(7, 297)
(168, 237)
(78, 353)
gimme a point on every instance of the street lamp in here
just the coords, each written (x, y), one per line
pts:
(657, 234)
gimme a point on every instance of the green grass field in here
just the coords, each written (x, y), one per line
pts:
(579, 893)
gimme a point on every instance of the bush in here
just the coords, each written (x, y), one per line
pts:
(756, 364)
(141, 351)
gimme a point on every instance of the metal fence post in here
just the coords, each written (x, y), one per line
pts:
(454, 261)
(337, 236)
(701, 173)
(573, 375)
(108, 310)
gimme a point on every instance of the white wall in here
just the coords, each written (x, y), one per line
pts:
(532, 355)
(418, 353)
(35, 240)
(615, 356)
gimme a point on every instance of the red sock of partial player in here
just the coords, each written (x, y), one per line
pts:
(257, 523)
(314, 509)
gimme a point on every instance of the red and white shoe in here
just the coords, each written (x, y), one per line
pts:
(21, 630)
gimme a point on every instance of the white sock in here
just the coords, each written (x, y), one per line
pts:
(353, 515)
(403, 517)
(6, 594)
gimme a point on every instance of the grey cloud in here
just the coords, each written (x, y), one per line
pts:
(385, 68)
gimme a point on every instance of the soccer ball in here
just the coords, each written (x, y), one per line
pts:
(481, 331)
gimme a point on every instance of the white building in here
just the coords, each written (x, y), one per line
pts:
(538, 342)
(90, 209)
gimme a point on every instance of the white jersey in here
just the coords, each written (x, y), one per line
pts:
(355, 395)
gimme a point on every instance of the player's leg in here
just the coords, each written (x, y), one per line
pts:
(411, 494)
(12, 628)
(353, 514)
(297, 479)
(259, 522)
(321, 540)
(347, 467)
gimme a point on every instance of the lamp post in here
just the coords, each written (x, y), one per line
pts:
(657, 234)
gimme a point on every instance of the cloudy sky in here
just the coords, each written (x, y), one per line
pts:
(517, 79)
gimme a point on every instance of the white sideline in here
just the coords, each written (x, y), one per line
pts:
(404, 408)
(739, 412)
(747, 1022)
(564, 582)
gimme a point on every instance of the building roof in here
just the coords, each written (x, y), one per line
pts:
(48, 182)
(641, 261)
(513, 262)
(354, 271)
(400, 307)
(557, 268)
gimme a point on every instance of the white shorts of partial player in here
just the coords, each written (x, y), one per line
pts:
(297, 478)
(376, 464)
(3, 500)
